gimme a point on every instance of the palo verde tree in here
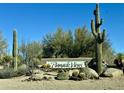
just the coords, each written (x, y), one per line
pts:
(99, 38)
(15, 50)
(3, 46)
(31, 52)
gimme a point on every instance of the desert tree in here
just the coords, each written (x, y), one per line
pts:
(3, 46)
(68, 44)
(31, 52)
(47, 46)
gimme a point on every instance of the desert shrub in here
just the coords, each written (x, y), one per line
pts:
(6, 61)
(22, 70)
(62, 76)
(7, 58)
(7, 73)
(49, 78)
(36, 61)
(59, 70)
(46, 66)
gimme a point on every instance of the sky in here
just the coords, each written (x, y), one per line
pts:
(34, 21)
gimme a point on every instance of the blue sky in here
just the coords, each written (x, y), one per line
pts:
(33, 21)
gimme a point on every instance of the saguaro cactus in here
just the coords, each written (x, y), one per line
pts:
(99, 37)
(14, 51)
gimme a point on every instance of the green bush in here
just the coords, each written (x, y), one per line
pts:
(7, 73)
(7, 59)
(36, 61)
(62, 76)
(46, 66)
(22, 70)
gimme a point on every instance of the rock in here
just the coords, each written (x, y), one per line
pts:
(72, 71)
(82, 76)
(51, 73)
(37, 71)
(39, 66)
(47, 77)
(1, 67)
(62, 76)
(90, 73)
(113, 72)
(75, 74)
(36, 77)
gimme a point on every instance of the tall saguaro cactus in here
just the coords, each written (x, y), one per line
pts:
(99, 37)
(14, 51)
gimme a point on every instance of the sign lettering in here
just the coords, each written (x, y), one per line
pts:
(66, 64)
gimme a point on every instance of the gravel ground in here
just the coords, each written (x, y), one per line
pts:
(102, 84)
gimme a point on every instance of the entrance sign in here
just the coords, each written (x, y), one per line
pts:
(66, 64)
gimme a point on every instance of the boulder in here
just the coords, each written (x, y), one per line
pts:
(90, 73)
(36, 77)
(72, 71)
(39, 66)
(113, 72)
(51, 73)
(1, 67)
(37, 71)
(82, 76)
(62, 76)
(47, 77)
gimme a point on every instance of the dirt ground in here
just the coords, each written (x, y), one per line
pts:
(102, 84)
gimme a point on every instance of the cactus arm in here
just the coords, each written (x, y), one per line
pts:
(99, 38)
(101, 21)
(103, 35)
(93, 28)
(94, 12)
